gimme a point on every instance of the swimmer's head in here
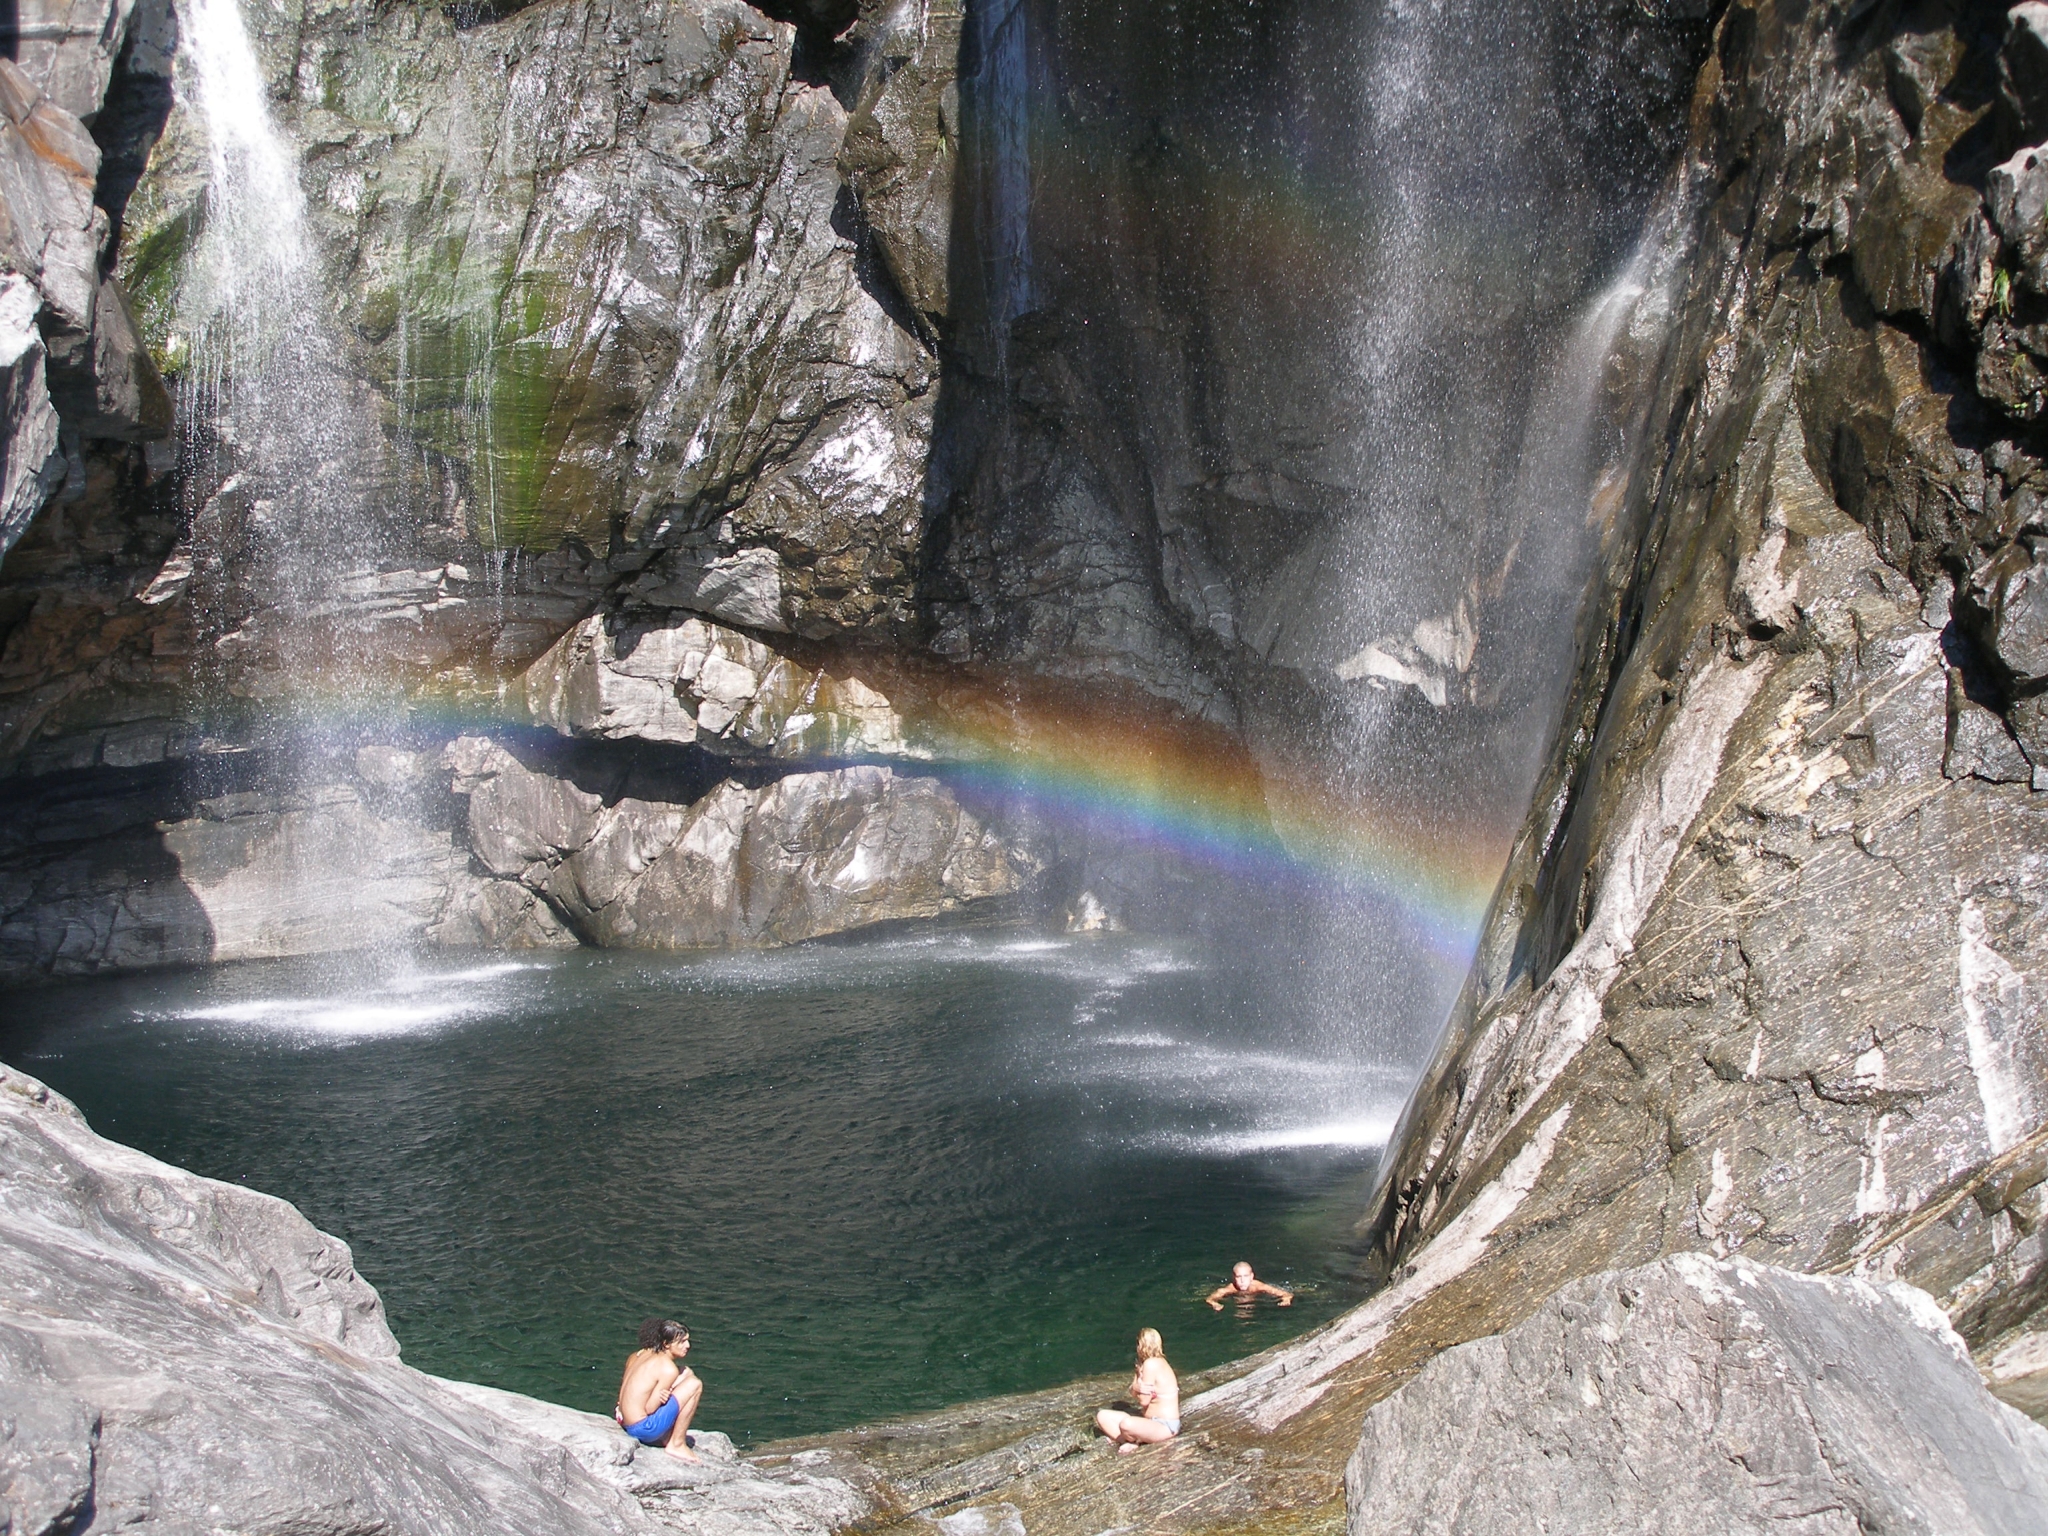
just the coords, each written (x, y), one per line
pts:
(662, 1333)
(1241, 1276)
(1149, 1345)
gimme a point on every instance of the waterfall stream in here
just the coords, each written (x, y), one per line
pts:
(1504, 282)
(286, 470)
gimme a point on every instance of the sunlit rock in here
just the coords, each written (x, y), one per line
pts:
(619, 677)
(177, 1352)
(807, 855)
(1695, 1395)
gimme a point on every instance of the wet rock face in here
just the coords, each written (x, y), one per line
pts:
(595, 264)
(606, 302)
(1165, 434)
(1766, 970)
(172, 1348)
(1699, 1395)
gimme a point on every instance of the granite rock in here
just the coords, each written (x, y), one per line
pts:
(807, 855)
(1763, 974)
(176, 1352)
(1695, 1394)
(654, 679)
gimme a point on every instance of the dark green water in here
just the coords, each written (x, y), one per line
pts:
(871, 1179)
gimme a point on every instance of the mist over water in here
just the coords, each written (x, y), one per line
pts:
(871, 1178)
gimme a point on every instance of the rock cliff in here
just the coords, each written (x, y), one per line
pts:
(1764, 975)
(1696, 1394)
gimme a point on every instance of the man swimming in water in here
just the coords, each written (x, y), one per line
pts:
(1156, 1391)
(658, 1395)
(1245, 1286)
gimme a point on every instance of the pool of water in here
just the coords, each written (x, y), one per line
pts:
(870, 1178)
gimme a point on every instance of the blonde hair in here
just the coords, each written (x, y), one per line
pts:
(1149, 1346)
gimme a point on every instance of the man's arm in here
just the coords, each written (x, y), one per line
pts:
(1215, 1297)
(1286, 1296)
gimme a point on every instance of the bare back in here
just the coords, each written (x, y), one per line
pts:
(1157, 1389)
(650, 1374)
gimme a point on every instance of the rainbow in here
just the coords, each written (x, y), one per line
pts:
(1193, 792)
(1122, 767)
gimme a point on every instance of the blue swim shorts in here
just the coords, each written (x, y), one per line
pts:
(654, 1429)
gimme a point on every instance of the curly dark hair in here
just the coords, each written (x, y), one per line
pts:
(660, 1332)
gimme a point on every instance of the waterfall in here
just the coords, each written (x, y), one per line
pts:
(1002, 89)
(276, 436)
(247, 282)
(1502, 273)
(285, 467)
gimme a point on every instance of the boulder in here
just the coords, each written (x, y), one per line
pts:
(805, 856)
(1701, 1395)
(178, 1354)
(652, 678)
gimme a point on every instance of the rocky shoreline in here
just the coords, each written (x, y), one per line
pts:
(172, 1347)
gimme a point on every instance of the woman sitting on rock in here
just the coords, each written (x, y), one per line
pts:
(1156, 1390)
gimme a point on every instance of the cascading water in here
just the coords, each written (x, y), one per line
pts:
(262, 381)
(1325, 307)
(1437, 617)
(284, 467)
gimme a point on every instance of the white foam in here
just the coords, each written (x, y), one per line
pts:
(475, 973)
(1357, 1133)
(327, 1016)
(1363, 1131)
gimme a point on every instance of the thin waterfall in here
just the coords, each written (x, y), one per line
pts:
(1002, 88)
(285, 466)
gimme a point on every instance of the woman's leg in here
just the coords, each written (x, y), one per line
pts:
(1145, 1431)
(1111, 1422)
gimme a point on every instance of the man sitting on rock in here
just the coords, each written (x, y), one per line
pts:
(1246, 1287)
(658, 1395)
